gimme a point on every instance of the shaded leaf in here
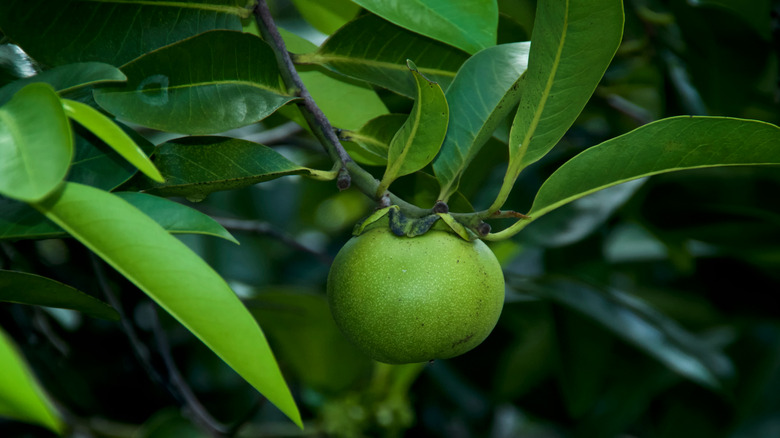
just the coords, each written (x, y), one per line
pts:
(176, 278)
(327, 15)
(111, 31)
(24, 288)
(210, 83)
(35, 143)
(483, 93)
(375, 50)
(369, 144)
(21, 397)
(67, 78)
(471, 25)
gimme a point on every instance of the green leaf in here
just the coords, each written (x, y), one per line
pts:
(472, 25)
(21, 396)
(369, 144)
(67, 78)
(24, 288)
(36, 144)
(419, 139)
(111, 31)
(375, 50)
(196, 166)
(176, 278)
(20, 221)
(483, 93)
(209, 83)
(572, 44)
(327, 15)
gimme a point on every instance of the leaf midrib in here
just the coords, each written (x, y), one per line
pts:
(317, 58)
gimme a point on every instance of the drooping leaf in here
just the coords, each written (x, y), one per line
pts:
(24, 288)
(20, 221)
(36, 144)
(21, 396)
(485, 90)
(111, 31)
(572, 44)
(419, 139)
(327, 15)
(196, 166)
(67, 78)
(375, 50)
(472, 25)
(175, 277)
(369, 144)
(197, 86)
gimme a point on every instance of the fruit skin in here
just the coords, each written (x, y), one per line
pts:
(404, 300)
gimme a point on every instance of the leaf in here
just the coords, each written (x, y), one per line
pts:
(210, 83)
(35, 143)
(24, 288)
(20, 221)
(374, 50)
(111, 31)
(485, 90)
(572, 44)
(67, 78)
(634, 321)
(369, 144)
(419, 139)
(196, 166)
(666, 145)
(472, 25)
(327, 15)
(21, 396)
(176, 278)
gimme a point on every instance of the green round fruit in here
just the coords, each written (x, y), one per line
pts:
(404, 300)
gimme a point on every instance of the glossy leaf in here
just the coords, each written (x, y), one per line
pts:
(21, 396)
(572, 44)
(176, 278)
(67, 78)
(374, 50)
(24, 288)
(419, 139)
(111, 31)
(196, 166)
(20, 221)
(196, 86)
(112, 135)
(327, 15)
(471, 25)
(36, 146)
(369, 144)
(485, 90)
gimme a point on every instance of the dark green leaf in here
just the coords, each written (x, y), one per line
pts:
(369, 144)
(206, 84)
(374, 50)
(36, 144)
(111, 31)
(67, 78)
(24, 288)
(471, 25)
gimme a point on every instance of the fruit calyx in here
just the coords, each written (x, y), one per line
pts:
(401, 225)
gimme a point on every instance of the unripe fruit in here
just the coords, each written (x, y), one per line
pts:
(404, 300)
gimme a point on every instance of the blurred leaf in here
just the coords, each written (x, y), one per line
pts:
(112, 31)
(572, 45)
(327, 15)
(21, 397)
(169, 423)
(419, 139)
(176, 278)
(756, 13)
(67, 78)
(361, 50)
(369, 144)
(483, 93)
(15, 64)
(112, 135)
(210, 83)
(302, 331)
(36, 144)
(666, 145)
(24, 288)
(196, 166)
(20, 221)
(634, 321)
(471, 26)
